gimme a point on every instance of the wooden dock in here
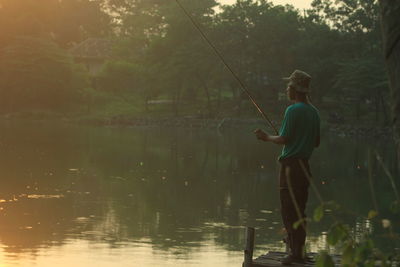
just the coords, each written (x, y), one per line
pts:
(273, 258)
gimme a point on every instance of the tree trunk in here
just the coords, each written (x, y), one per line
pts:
(390, 16)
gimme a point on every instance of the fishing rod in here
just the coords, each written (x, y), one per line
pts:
(227, 66)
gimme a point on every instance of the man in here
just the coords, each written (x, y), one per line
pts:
(300, 134)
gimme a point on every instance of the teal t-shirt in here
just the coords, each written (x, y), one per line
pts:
(301, 128)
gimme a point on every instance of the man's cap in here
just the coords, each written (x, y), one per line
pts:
(300, 81)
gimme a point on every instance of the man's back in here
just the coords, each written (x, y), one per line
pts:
(301, 129)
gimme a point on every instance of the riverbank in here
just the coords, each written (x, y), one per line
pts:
(360, 129)
(342, 130)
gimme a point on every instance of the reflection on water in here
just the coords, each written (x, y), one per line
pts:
(160, 197)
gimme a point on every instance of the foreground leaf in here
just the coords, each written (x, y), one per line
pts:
(319, 213)
(348, 254)
(324, 260)
(338, 232)
(372, 214)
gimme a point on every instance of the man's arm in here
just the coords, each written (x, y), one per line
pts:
(277, 139)
(286, 131)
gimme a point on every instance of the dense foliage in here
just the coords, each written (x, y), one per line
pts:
(35, 73)
(159, 55)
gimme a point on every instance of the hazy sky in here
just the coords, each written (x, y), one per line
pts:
(296, 3)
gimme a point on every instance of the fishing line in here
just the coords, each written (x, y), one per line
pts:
(227, 66)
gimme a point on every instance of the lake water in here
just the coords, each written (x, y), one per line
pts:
(83, 196)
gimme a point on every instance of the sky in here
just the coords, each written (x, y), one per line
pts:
(297, 3)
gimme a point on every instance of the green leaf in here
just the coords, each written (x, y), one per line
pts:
(372, 214)
(338, 232)
(324, 260)
(348, 254)
(363, 252)
(319, 213)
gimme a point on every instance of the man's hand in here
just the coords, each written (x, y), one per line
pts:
(261, 135)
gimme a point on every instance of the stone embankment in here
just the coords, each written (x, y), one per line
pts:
(184, 122)
(342, 130)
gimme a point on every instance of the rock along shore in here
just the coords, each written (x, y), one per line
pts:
(342, 130)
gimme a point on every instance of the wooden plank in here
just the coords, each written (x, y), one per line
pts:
(248, 253)
(274, 258)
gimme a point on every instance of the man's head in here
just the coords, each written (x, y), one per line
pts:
(298, 85)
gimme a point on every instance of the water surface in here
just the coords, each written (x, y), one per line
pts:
(78, 196)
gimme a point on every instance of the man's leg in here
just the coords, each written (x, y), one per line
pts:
(293, 203)
(299, 234)
(296, 237)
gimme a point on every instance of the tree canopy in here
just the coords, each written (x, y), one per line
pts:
(160, 54)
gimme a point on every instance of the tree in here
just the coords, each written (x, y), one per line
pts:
(128, 80)
(363, 79)
(138, 21)
(179, 52)
(356, 16)
(353, 68)
(258, 39)
(65, 21)
(390, 16)
(37, 74)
